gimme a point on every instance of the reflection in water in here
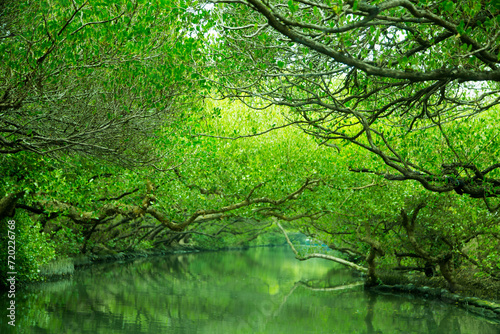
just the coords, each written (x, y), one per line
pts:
(369, 315)
(261, 290)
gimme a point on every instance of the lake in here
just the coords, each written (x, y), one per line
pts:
(260, 290)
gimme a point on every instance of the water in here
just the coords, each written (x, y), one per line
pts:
(254, 291)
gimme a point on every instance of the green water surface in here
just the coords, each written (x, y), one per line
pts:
(262, 290)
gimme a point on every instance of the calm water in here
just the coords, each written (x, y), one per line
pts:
(254, 291)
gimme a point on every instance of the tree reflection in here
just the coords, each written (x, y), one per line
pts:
(258, 291)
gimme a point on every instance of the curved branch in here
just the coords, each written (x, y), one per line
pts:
(320, 256)
(339, 56)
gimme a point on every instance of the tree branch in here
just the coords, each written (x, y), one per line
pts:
(320, 256)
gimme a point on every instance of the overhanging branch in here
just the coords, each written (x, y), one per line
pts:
(320, 256)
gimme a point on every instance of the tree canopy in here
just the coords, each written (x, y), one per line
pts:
(94, 78)
(377, 74)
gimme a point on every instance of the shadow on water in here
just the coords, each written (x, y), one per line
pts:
(261, 290)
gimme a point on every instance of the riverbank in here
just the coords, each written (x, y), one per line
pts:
(477, 295)
(475, 305)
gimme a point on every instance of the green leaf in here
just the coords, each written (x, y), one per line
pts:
(355, 6)
(449, 6)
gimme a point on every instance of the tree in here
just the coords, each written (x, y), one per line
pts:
(413, 231)
(102, 79)
(377, 74)
(84, 84)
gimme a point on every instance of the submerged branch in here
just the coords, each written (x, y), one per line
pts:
(334, 288)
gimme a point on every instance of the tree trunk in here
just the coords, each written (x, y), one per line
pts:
(372, 276)
(8, 204)
(446, 271)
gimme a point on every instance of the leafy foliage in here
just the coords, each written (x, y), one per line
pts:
(32, 248)
(369, 73)
(101, 79)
